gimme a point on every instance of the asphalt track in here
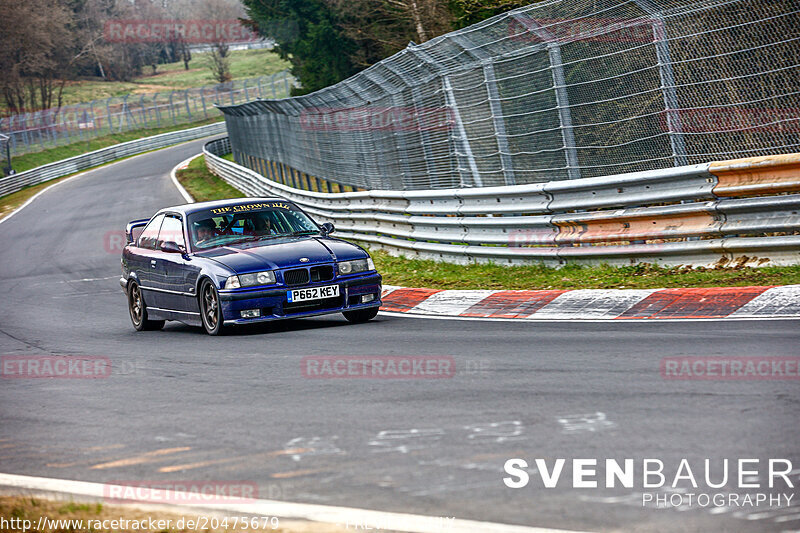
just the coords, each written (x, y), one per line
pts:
(180, 405)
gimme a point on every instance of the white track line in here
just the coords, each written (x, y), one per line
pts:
(315, 513)
(180, 166)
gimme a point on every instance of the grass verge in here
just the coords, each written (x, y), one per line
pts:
(437, 275)
(202, 185)
(84, 517)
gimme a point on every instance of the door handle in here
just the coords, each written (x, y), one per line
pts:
(152, 263)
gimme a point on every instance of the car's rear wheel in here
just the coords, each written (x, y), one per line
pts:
(138, 310)
(362, 315)
(210, 309)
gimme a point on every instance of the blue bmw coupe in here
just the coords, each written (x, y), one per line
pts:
(239, 261)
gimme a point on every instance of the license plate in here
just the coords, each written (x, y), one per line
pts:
(314, 293)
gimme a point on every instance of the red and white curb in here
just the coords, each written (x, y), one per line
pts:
(597, 304)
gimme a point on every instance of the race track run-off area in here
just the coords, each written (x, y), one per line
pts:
(180, 405)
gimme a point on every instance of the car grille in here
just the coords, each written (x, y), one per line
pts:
(298, 276)
(322, 273)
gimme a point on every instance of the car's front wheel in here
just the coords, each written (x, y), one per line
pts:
(362, 315)
(210, 309)
(138, 310)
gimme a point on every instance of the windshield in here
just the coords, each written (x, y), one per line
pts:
(247, 222)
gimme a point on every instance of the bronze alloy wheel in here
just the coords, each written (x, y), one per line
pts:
(210, 309)
(138, 310)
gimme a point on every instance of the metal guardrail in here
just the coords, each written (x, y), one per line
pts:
(670, 216)
(65, 167)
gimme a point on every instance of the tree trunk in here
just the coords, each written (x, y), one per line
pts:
(415, 14)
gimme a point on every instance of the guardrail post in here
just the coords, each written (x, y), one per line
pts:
(667, 76)
(560, 88)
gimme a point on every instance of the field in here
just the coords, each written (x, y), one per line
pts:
(172, 76)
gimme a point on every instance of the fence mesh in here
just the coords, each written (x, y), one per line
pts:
(561, 89)
(39, 130)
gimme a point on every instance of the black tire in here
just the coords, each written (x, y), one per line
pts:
(360, 316)
(138, 310)
(210, 310)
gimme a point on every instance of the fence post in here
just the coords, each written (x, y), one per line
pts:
(560, 86)
(667, 82)
(462, 133)
(142, 110)
(186, 97)
(157, 110)
(495, 106)
(108, 116)
(499, 123)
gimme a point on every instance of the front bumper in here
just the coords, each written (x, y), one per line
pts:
(274, 305)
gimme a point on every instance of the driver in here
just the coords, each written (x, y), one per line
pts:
(261, 226)
(205, 230)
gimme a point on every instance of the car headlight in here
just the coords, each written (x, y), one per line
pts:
(359, 265)
(250, 280)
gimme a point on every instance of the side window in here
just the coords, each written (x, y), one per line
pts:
(171, 230)
(149, 236)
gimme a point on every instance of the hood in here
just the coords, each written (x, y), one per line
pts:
(282, 253)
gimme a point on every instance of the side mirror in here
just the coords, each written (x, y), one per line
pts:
(327, 228)
(171, 247)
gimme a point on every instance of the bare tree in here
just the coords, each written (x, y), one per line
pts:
(37, 51)
(382, 28)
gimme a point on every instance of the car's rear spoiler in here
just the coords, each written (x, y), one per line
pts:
(132, 226)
